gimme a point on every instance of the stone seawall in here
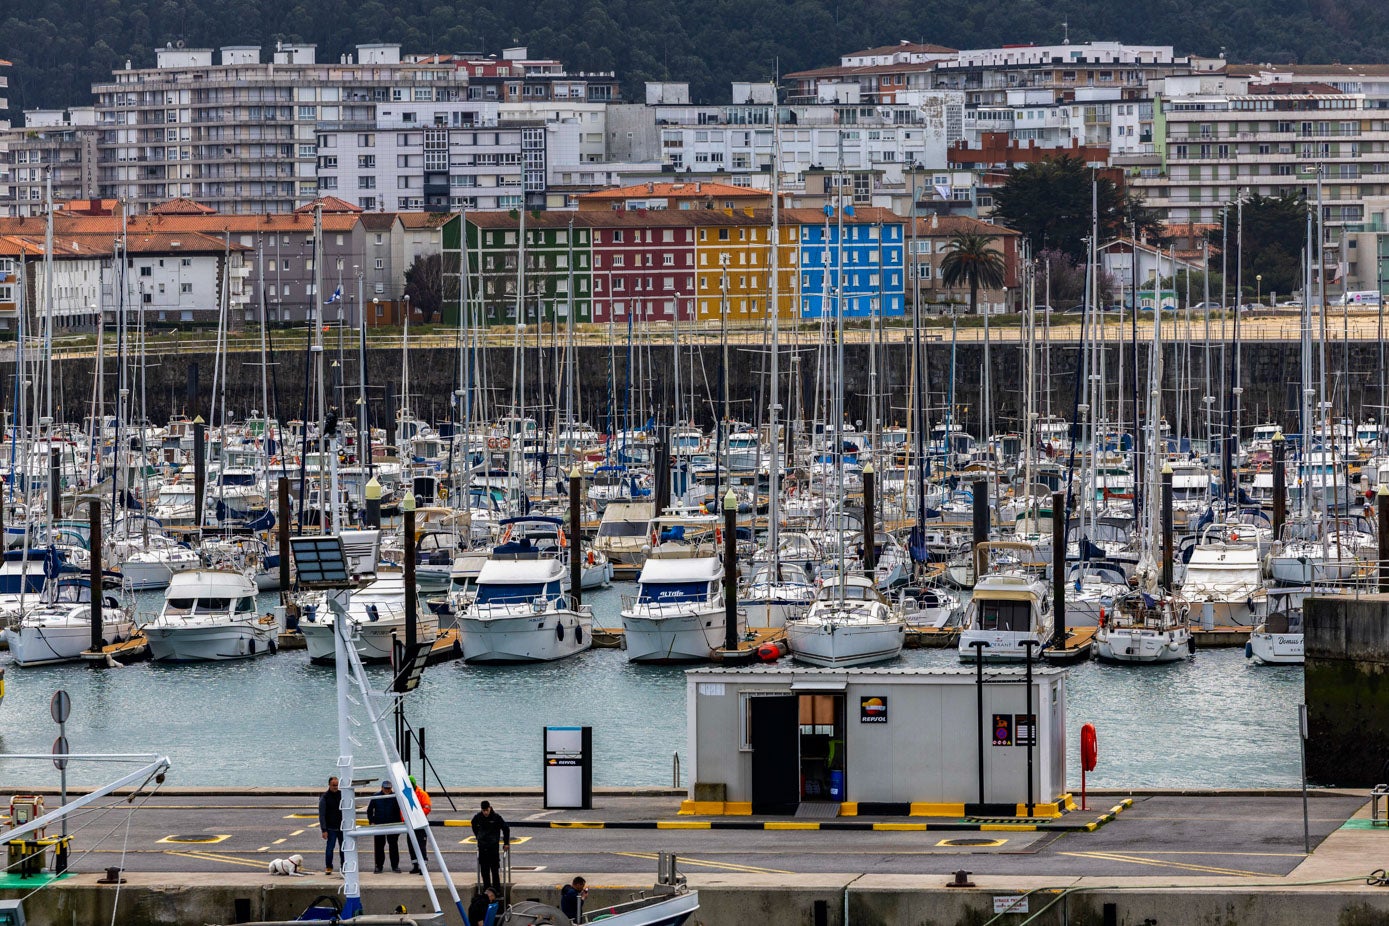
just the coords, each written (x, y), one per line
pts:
(1270, 374)
(735, 900)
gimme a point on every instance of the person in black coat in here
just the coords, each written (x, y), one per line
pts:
(330, 823)
(491, 833)
(572, 896)
(384, 809)
(477, 910)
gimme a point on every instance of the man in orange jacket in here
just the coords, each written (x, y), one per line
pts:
(421, 834)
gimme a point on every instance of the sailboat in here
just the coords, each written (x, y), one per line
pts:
(59, 627)
(1148, 625)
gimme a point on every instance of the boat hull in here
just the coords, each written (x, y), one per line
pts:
(210, 644)
(1276, 648)
(1129, 645)
(524, 638)
(835, 645)
(689, 637)
(1005, 646)
(374, 639)
(37, 646)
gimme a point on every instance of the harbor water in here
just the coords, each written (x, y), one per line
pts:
(1214, 721)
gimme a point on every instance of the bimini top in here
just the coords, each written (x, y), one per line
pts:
(209, 583)
(681, 569)
(520, 571)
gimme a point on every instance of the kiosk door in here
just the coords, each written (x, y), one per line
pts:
(773, 733)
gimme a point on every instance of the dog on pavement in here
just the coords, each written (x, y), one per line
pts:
(292, 866)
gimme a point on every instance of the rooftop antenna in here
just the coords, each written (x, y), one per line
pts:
(1065, 33)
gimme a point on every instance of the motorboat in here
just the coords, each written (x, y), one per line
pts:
(850, 623)
(1277, 639)
(1009, 613)
(149, 562)
(678, 613)
(377, 612)
(1222, 583)
(929, 606)
(209, 615)
(1091, 589)
(542, 536)
(1143, 628)
(520, 613)
(58, 628)
(623, 533)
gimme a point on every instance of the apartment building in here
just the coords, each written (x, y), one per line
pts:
(705, 265)
(928, 242)
(62, 143)
(241, 135)
(1220, 136)
(5, 190)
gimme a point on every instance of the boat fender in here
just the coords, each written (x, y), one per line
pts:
(578, 633)
(251, 647)
(1248, 650)
(559, 631)
(591, 558)
(768, 652)
(1191, 645)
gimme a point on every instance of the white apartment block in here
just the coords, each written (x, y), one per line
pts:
(1220, 136)
(241, 135)
(60, 142)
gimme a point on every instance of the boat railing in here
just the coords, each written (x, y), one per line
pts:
(648, 608)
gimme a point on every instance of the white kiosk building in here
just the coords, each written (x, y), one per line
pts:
(892, 741)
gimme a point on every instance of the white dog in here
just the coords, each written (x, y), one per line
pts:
(292, 866)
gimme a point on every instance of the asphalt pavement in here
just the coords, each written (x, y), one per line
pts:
(1208, 834)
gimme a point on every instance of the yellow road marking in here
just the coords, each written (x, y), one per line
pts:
(206, 841)
(682, 824)
(789, 825)
(472, 840)
(214, 857)
(988, 844)
(300, 816)
(1252, 854)
(1008, 827)
(277, 842)
(726, 866)
(296, 832)
(1159, 863)
(901, 827)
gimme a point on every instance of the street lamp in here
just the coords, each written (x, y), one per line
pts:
(1258, 289)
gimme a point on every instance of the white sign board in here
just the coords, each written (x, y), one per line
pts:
(1013, 903)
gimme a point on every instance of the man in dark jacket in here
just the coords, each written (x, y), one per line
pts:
(572, 896)
(491, 833)
(330, 823)
(383, 809)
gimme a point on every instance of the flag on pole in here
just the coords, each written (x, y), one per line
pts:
(336, 297)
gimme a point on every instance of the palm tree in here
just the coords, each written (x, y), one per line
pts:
(969, 259)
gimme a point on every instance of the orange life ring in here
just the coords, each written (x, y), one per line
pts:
(493, 443)
(504, 443)
(1089, 748)
(718, 536)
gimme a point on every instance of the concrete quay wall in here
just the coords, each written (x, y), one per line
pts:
(1346, 680)
(1269, 370)
(733, 900)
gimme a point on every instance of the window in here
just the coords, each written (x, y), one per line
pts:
(366, 183)
(366, 141)
(366, 162)
(380, 263)
(185, 287)
(146, 271)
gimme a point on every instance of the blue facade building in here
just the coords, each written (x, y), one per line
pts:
(869, 262)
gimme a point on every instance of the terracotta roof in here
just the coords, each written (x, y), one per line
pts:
(947, 225)
(423, 220)
(675, 218)
(688, 190)
(215, 224)
(331, 204)
(181, 206)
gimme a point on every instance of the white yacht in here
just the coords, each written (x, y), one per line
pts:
(377, 611)
(1222, 584)
(1277, 640)
(1092, 588)
(1009, 606)
(149, 562)
(623, 533)
(520, 613)
(677, 614)
(210, 614)
(1142, 628)
(58, 628)
(850, 624)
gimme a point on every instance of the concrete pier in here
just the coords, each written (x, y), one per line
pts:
(1347, 689)
(1170, 858)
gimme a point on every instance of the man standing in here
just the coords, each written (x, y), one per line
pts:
(330, 823)
(421, 834)
(382, 810)
(491, 833)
